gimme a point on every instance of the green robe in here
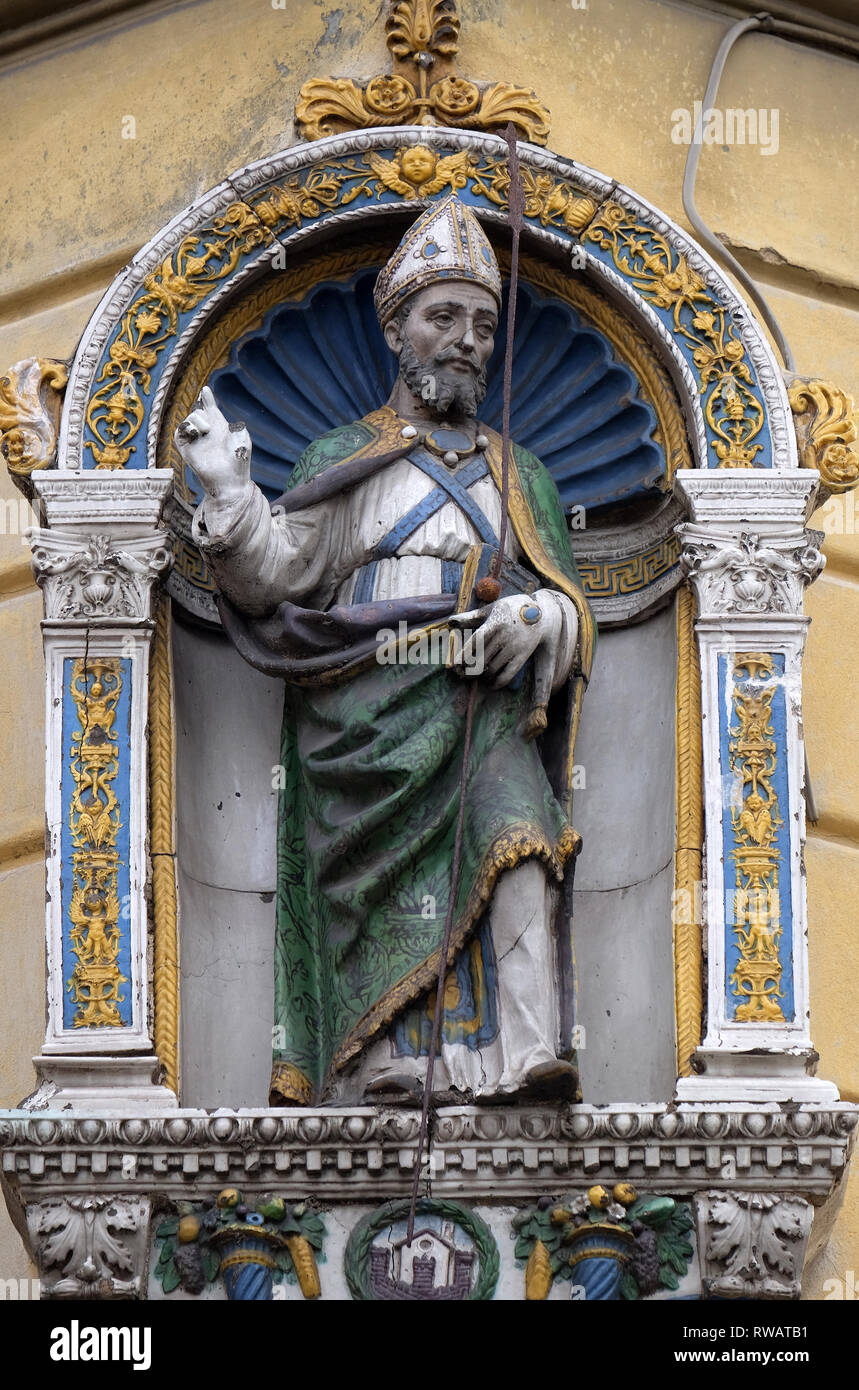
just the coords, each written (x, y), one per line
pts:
(367, 816)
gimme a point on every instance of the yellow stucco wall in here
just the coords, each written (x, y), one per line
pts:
(211, 85)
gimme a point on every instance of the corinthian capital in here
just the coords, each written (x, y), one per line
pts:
(748, 573)
(90, 1246)
(98, 576)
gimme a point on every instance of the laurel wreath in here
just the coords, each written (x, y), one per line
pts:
(356, 1259)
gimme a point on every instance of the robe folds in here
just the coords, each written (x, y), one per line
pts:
(372, 755)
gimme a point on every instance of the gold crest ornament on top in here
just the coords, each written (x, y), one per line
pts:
(31, 397)
(94, 818)
(825, 423)
(755, 823)
(422, 89)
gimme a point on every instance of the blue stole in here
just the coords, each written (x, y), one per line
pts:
(449, 487)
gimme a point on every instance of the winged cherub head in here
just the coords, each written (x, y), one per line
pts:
(417, 164)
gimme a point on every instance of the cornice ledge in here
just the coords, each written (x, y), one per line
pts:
(357, 1153)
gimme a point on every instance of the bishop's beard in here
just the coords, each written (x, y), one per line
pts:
(445, 392)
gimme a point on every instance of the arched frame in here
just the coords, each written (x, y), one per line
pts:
(736, 404)
(726, 425)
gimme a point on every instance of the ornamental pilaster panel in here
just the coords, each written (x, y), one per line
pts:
(97, 563)
(749, 557)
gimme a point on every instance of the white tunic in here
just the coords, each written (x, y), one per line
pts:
(312, 556)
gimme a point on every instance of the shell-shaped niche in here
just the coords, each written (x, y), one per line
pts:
(322, 362)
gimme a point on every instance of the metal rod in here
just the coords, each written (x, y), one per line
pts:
(443, 962)
(516, 207)
(709, 238)
(516, 201)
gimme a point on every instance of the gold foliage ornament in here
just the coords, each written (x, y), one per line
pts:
(755, 823)
(665, 278)
(183, 280)
(31, 396)
(551, 202)
(115, 411)
(422, 37)
(825, 424)
(94, 818)
(416, 171)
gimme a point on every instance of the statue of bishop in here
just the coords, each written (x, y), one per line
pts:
(361, 587)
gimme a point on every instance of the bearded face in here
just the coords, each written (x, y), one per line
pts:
(447, 391)
(444, 336)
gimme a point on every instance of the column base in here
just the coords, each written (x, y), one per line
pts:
(759, 1076)
(92, 1085)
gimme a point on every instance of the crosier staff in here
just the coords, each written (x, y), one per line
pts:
(487, 591)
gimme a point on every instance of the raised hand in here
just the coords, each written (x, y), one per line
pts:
(218, 452)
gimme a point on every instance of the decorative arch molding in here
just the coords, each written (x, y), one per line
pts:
(734, 400)
(606, 390)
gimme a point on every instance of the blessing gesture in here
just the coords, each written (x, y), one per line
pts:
(218, 452)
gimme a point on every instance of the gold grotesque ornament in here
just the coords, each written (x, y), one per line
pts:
(825, 424)
(94, 817)
(664, 278)
(31, 396)
(757, 918)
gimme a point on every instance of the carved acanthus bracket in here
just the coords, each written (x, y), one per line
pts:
(423, 88)
(90, 1246)
(100, 577)
(31, 397)
(751, 1244)
(824, 418)
(749, 573)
